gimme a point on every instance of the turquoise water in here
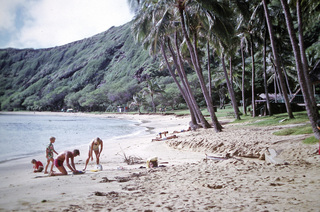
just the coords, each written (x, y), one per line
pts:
(26, 135)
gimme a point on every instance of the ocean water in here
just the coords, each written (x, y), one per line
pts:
(26, 135)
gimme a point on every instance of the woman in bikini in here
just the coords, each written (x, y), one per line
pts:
(94, 147)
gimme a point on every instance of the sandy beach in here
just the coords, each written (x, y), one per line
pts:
(235, 176)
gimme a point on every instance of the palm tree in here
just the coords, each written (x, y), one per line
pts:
(152, 88)
(277, 61)
(154, 8)
(242, 49)
(138, 101)
(154, 34)
(265, 82)
(191, 35)
(311, 111)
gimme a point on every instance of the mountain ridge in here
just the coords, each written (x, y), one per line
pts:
(89, 74)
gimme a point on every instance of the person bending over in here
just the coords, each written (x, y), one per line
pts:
(67, 156)
(96, 146)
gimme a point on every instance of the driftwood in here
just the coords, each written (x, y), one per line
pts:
(130, 160)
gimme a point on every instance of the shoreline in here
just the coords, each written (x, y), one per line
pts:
(136, 123)
(188, 182)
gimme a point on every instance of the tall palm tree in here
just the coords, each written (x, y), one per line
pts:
(265, 82)
(311, 110)
(152, 88)
(193, 30)
(242, 49)
(277, 61)
(153, 35)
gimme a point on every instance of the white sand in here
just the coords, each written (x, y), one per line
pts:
(187, 183)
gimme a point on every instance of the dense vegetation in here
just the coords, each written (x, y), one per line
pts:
(96, 73)
(279, 37)
(177, 53)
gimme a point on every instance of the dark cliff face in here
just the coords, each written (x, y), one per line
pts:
(86, 74)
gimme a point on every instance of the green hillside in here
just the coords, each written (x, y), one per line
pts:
(96, 73)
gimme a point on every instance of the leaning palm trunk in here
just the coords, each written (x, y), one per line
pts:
(184, 79)
(277, 61)
(195, 62)
(231, 91)
(312, 113)
(304, 57)
(183, 93)
(204, 89)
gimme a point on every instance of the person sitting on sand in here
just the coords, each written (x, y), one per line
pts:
(66, 156)
(182, 130)
(94, 146)
(164, 138)
(49, 154)
(37, 165)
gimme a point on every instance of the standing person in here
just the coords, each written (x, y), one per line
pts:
(49, 154)
(37, 165)
(94, 146)
(67, 156)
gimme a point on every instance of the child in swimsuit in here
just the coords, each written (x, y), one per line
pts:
(49, 154)
(37, 165)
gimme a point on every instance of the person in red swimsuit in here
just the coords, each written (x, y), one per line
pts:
(67, 156)
(37, 165)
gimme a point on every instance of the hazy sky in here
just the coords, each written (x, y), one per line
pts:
(49, 23)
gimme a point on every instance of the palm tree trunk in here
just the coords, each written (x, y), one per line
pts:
(231, 73)
(183, 76)
(265, 75)
(312, 113)
(304, 57)
(231, 92)
(277, 61)
(243, 81)
(153, 104)
(195, 62)
(209, 72)
(183, 93)
(253, 79)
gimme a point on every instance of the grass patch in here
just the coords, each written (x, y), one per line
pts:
(299, 130)
(310, 140)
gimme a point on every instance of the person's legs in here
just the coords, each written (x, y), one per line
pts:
(52, 160)
(62, 170)
(45, 170)
(97, 158)
(87, 161)
(60, 167)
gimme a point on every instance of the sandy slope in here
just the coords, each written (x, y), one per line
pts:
(187, 183)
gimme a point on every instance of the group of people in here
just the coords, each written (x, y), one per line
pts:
(163, 135)
(96, 146)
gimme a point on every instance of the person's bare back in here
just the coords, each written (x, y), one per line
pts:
(67, 156)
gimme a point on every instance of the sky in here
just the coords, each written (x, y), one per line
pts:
(49, 23)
